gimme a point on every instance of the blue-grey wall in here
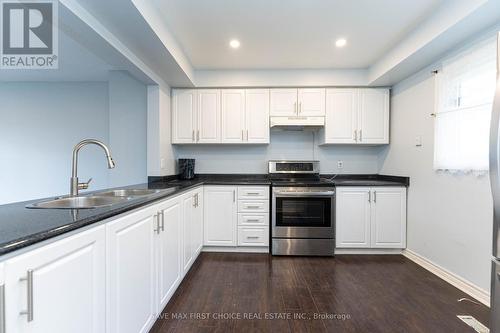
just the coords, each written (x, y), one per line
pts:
(39, 125)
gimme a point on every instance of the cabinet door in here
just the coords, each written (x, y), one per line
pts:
(67, 280)
(257, 116)
(198, 222)
(169, 250)
(311, 102)
(353, 217)
(233, 115)
(373, 116)
(209, 114)
(341, 116)
(183, 116)
(220, 218)
(188, 203)
(284, 102)
(130, 272)
(388, 222)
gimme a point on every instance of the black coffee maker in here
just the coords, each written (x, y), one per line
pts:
(186, 168)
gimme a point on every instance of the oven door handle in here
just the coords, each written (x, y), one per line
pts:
(305, 194)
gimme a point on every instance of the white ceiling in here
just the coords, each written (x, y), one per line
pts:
(292, 34)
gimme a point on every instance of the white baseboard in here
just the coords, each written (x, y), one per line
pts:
(466, 286)
(243, 249)
(367, 251)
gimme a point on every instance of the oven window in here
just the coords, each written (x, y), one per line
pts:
(303, 212)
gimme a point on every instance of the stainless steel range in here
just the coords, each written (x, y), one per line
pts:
(303, 209)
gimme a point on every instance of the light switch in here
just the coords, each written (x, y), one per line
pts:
(418, 141)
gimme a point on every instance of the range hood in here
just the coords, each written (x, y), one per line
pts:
(297, 122)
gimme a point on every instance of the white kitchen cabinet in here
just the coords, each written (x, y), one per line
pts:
(196, 116)
(356, 116)
(192, 225)
(233, 116)
(298, 102)
(220, 216)
(373, 116)
(284, 102)
(371, 217)
(169, 251)
(341, 120)
(209, 116)
(353, 217)
(388, 217)
(311, 102)
(253, 236)
(184, 114)
(67, 283)
(131, 301)
(188, 203)
(257, 115)
(198, 221)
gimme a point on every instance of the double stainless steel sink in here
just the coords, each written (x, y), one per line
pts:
(98, 199)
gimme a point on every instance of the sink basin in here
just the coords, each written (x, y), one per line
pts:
(131, 192)
(80, 202)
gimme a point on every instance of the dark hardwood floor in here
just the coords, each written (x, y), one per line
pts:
(230, 291)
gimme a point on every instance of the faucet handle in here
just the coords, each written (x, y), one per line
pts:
(84, 186)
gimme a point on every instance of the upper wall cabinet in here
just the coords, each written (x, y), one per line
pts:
(196, 116)
(298, 102)
(220, 116)
(356, 116)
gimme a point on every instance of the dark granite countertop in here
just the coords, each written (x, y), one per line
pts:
(21, 227)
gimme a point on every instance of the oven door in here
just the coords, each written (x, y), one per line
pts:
(303, 212)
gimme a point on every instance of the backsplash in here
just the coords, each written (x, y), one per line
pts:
(288, 145)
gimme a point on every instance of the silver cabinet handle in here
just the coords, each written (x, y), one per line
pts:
(193, 137)
(247, 135)
(356, 135)
(234, 196)
(253, 220)
(162, 213)
(252, 237)
(360, 135)
(369, 196)
(198, 135)
(29, 287)
(375, 196)
(197, 200)
(2, 308)
(194, 200)
(242, 135)
(157, 218)
(253, 207)
(295, 108)
(300, 107)
(252, 193)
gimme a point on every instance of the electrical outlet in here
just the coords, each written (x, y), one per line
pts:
(418, 141)
(340, 164)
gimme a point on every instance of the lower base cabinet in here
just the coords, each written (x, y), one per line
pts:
(59, 287)
(130, 272)
(371, 217)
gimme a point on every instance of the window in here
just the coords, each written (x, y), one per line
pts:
(465, 91)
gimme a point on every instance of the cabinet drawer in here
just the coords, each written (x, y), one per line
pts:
(253, 192)
(253, 219)
(253, 206)
(253, 236)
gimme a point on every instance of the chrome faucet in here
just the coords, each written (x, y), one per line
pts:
(75, 185)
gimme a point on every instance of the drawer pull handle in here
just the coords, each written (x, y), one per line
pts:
(252, 193)
(29, 285)
(253, 207)
(252, 237)
(253, 220)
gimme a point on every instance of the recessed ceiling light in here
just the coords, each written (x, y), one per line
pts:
(341, 42)
(234, 43)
